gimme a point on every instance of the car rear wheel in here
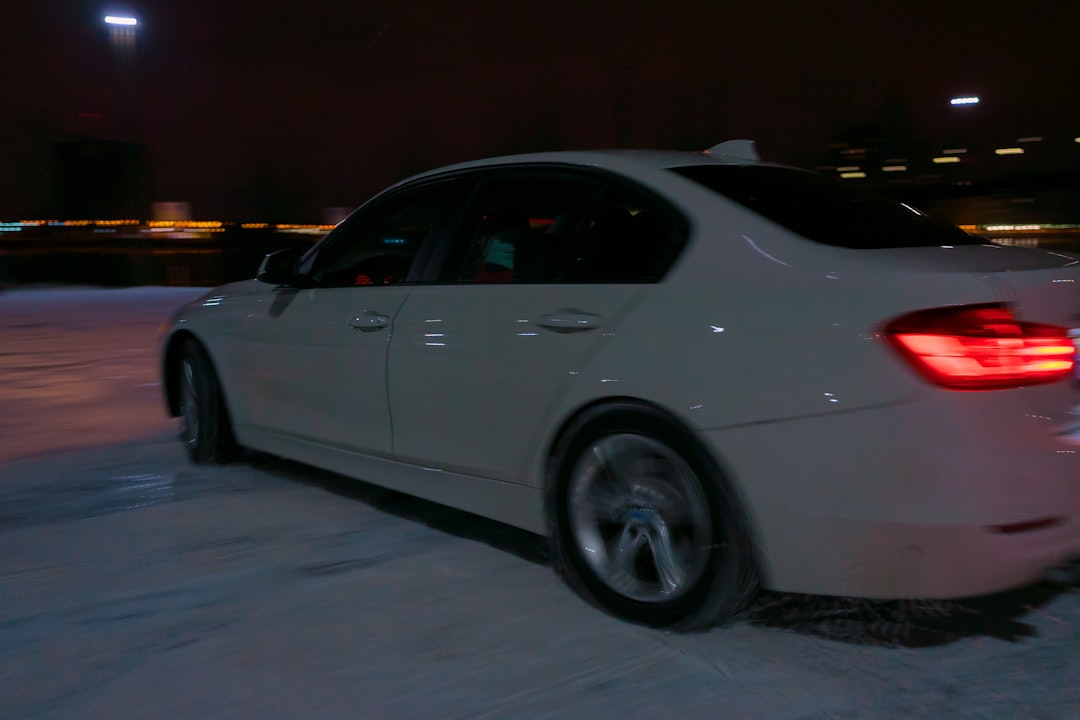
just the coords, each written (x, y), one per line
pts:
(204, 420)
(643, 523)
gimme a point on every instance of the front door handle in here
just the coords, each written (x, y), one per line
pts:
(569, 320)
(370, 320)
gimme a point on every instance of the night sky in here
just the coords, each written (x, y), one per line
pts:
(328, 101)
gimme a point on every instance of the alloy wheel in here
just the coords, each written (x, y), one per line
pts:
(639, 517)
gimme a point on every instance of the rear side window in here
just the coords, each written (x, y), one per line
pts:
(824, 210)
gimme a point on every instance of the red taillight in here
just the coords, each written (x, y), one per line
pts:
(981, 347)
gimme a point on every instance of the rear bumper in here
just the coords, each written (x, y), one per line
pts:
(907, 560)
(907, 501)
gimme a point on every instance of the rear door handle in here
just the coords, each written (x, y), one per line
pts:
(568, 321)
(370, 320)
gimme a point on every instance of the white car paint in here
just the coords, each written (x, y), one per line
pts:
(475, 376)
(858, 476)
(307, 372)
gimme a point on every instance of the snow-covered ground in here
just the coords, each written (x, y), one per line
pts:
(78, 367)
(135, 585)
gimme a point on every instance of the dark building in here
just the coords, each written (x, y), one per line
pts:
(95, 179)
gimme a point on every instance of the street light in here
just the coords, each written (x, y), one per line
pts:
(122, 36)
(122, 39)
(965, 100)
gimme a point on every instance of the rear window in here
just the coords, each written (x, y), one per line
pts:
(824, 210)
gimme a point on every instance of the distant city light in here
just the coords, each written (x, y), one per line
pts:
(848, 168)
(946, 159)
(954, 151)
(119, 20)
(1034, 138)
(894, 168)
(850, 175)
(965, 100)
(1009, 151)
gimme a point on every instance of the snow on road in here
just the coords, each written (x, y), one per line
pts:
(79, 366)
(135, 585)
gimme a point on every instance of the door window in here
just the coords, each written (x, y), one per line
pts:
(383, 246)
(550, 227)
(627, 237)
(519, 228)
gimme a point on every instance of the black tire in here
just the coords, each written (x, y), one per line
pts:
(205, 426)
(669, 544)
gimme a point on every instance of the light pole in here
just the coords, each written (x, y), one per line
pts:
(122, 30)
(122, 40)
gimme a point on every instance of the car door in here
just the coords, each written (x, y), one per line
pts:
(543, 266)
(315, 353)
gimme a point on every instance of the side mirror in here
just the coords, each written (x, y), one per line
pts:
(280, 268)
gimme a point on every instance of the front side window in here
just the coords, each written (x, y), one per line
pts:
(547, 226)
(381, 246)
(824, 210)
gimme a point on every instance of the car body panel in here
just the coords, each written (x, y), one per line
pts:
(474, 372)
(858, 476)
(307, 372)
(511, 503)
(900, 501)
(213, 319)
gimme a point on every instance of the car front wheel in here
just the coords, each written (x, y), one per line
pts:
(204, 420)
(643, 523)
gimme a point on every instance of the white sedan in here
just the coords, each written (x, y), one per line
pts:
(699, 374)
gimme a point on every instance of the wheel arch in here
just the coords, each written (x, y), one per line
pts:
(725, 475)
(611, 404)
(555, 442)
(170, 369)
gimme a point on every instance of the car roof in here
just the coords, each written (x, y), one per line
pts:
(732, 152)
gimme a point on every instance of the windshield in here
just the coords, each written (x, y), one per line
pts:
(824, 210)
